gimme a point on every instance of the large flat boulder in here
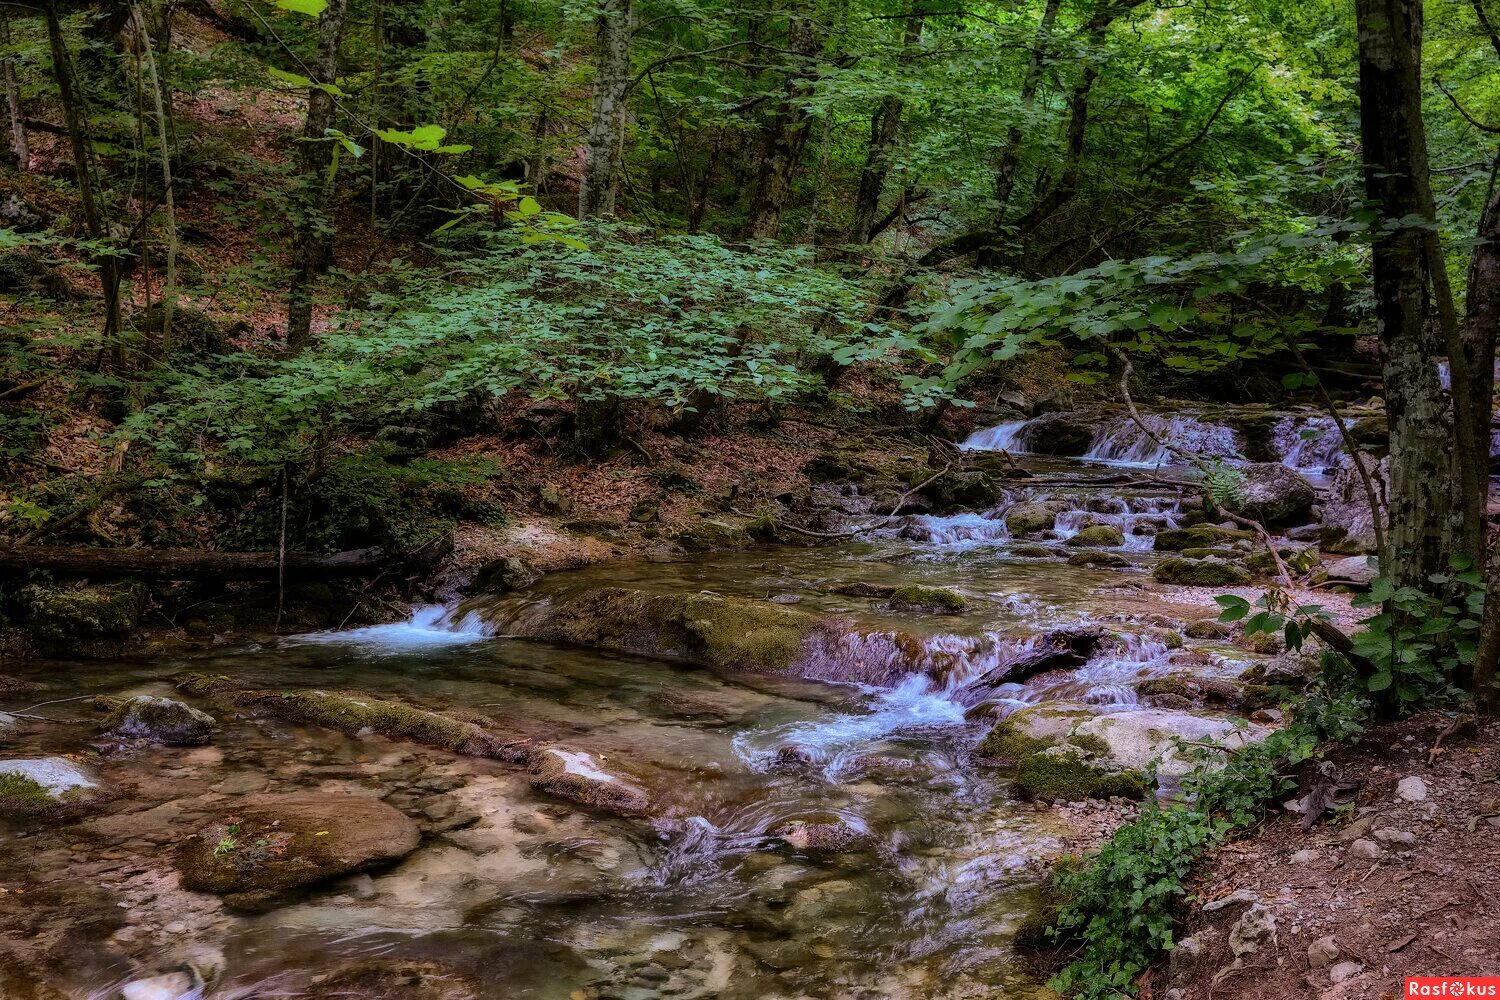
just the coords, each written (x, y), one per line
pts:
(266, 849)
(46, 786)
(1274, 495)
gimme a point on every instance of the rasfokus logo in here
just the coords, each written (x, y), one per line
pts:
(1455, 987)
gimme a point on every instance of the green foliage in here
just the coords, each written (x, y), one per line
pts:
(1418, 640)
(1119, 906)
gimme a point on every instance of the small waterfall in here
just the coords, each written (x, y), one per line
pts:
(1138, 518)
(1122, 441)
(956, 529)
(1001, 437)
(1311, 444)
(428, 627)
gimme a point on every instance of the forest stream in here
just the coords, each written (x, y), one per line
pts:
(757, 834)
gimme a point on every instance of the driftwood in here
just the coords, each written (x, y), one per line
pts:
(187, 564)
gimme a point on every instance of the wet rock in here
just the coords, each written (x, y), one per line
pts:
(1207, 628)
(710, 534)
(791, 759)
(1354, 570)
(1365, 850)
(831, 466)
(172, 986)
(1111, 560)
(1043, 552)
(500, 576)
(1198, 536)
(1323, 952)
(1412, 789)
(963, 490)
(1098, 536)
(82, 621)
(1252, 932)
(820, 837)
(577, 776)
(46, 786)
(1055, 401)
(1064, 774)
(1344, 971)
(928, 600)
(162, 720)
(1200, 573)
(1273, 494)
(269, 847)
(862, 589)
(386, 979)
(1347, 524)
(1033, 517)
(1063, 434)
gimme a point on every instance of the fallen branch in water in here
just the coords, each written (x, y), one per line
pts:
(926, 482)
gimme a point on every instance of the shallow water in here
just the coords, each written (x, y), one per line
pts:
(533, 897)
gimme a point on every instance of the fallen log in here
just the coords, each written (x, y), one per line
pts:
(187, 564)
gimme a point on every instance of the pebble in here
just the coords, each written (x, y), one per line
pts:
(1322, 952)
(1344, 970)
(1234, 898)
(1304, 857)
(1412, 789)
(1366, 849)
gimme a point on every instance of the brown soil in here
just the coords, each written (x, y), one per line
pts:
(1428, 909)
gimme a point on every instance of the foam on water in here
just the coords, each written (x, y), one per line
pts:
(1123, 442)
(1311, 444)
(1001, 437)
(955, 530)
(428, 627)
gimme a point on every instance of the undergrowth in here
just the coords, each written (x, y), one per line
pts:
(1118, 905)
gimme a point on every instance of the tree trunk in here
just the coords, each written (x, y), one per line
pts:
(185, 564)
(782, 139)
(161, 100)
(109, 274)
(1010, 159)
(18, 144)
(885, 125)
(602, 168)
(313, 241)
(1395, 151)
(1481, 333)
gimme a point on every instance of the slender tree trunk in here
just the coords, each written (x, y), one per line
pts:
(18, 144)
(315, 237)
(161, 98)
(1395, 151)
(109, 275)
(783, 139)
(1010, 158)
(885, 125)
(601, 168)
(1481, 334)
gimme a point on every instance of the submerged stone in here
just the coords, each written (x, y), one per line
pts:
(269, 847)
(1098, 536)
(932, 600)
(1111, 560)
(578, 777)
(162, 720)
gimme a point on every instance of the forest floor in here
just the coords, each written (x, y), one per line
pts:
(1404, 882)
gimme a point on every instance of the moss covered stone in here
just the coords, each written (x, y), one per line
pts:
(1200, 573)
(1207, 628)
(709, 535)
(1009, 740)
(1098, 536)
(47, 787)
(161, 720)
(1199, 536)
(1068, 776)
(68, 619)
(21, 796)
(1034, 516)
(931, 600)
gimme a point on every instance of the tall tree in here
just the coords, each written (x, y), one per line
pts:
(1396, 176)
(885, 126)
(18, 145)
(315, 235)
(602, 163)
(785, 132)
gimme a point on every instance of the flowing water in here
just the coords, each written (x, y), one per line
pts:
(529, 896)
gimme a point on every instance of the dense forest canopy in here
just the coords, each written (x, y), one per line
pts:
(262, 261)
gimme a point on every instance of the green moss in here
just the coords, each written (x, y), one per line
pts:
(1205, 553)
(65, 615)
(1197, 536)
(934, 600)
(1008, 742)
(20, 796)
(1109, 559)
(1260, 642)
(1206, 628)
(1200, 573)
(1098, 536)
(710, 535)
(764, 528)
(1033, 517)
(1069, 777)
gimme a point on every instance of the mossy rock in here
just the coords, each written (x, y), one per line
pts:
(709, 535)
(1098, 536)
(1064, 775)
(1010, 741)
(930, 600)
(1259, 642)
(161, 720)
(1111, 560)
(1297, 559)
(1213, 553)
(1207, 628)
(729, 632)
(1034, 516)
(82, 621)
(1200, 573)
(194, 333)
(503, 575)
(1192, 689)
(831, 466)
(1199, 536)
(673, 476)
(966, 490)
(47, 788)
